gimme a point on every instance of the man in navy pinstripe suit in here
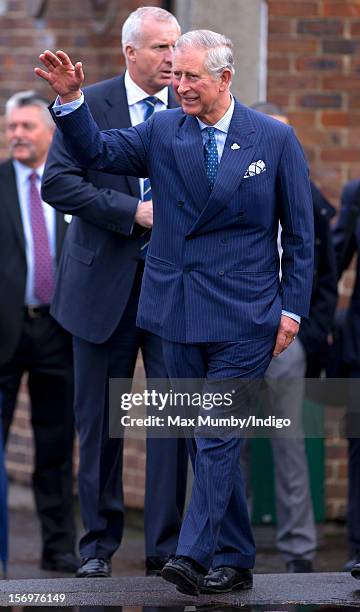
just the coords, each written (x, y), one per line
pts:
(222, 178)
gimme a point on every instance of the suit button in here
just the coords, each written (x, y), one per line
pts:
(180, 203)
(224, 240)
(221, 273)
(187, 269)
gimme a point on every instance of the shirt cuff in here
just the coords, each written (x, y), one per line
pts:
(292, 316)
(64, 109)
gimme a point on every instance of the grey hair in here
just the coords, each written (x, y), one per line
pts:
(29, 98)
(219, 50)
(131, 31)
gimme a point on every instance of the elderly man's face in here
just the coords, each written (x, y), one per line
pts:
(200, 94)
(150, 64)
(28, 135)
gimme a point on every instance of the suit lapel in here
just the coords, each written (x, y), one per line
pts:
(115, 108)
(189, 156)
(233, 165)
(10, 199)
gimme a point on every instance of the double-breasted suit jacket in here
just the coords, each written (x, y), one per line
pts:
(212, 270)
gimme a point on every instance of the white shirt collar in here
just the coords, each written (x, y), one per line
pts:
(135, 94)
(24, 171)
(223, 124)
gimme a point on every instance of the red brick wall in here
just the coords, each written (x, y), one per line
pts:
(313, 73)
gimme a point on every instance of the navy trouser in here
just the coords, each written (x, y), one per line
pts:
(216, 530)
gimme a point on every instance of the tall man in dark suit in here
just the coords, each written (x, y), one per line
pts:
(222, 176)
(347, 244)
(31, 236)
(96, 300)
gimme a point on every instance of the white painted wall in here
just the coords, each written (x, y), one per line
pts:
(245, 22)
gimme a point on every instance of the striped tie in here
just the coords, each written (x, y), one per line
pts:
(145, 237)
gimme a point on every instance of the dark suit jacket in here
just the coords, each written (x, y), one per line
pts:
(101, 250)
(352, 322)
(315, 329)
(212, 269)
(13, 262)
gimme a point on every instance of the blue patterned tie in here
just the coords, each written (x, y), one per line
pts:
(145, 237)
(211, 156)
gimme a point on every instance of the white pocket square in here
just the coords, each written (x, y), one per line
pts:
(257, 167)
(67, 218)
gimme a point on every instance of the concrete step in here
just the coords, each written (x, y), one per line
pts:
(335, 589)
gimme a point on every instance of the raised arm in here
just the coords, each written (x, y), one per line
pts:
(115, 151)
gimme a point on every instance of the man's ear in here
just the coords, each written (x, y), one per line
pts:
(225, 79)
(130, 53)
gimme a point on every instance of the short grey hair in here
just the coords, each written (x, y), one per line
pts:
(219, 50)
(29, 98)
(132, 29)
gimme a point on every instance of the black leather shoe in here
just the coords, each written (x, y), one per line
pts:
(154, 565)
(225, 579)
(299, 566)
(355, 571)
(351, 563)
(185, 573)
(60, 562)
(94, 567)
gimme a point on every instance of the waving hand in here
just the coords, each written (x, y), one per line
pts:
(65, 78)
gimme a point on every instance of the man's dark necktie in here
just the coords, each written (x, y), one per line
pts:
(145, 237)
(211, 156)
(43, 266)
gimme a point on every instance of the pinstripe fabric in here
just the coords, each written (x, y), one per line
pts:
(212, 268)
(216, 529)
(150, 103)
